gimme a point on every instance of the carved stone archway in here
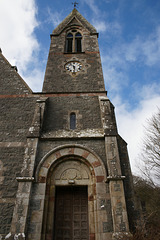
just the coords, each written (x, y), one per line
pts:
(71, 150)
(64, 166)
(67, 171)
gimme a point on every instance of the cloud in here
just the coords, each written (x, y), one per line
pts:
(118, 62)
(131, 122)
(118, 65)
(18, 40)
(115, 80)
(151, 48)
(93, 6)
(132, 50)
(112, 28)
(146, 50)
(115, 70)
(17, 24)
(143, 50)
(99, 25)
(147, 91)
(131, 119)
(54, 18)
(34, 79)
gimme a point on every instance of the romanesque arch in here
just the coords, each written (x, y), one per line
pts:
(72, 165)
(71, 150)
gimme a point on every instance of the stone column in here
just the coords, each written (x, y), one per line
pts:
(115, 178)
(20, 213)
(21, 207)
(19, 220)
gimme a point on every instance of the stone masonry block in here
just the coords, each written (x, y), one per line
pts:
(43, 172)
(99, 179)
(36, 216)
(79, 152)
(101, 188)
(40, 189)
(66, 151)
(91, 158)
(99, 171)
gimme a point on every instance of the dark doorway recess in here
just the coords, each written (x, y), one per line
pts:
(71, 213)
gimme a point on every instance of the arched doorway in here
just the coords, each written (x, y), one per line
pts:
(76, 176)
(69, 186)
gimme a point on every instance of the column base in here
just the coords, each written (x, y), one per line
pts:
(18, 236)
(122, 236)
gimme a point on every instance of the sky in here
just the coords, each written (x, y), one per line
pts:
(129, 41)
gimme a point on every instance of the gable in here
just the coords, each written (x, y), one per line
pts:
(74, 22)
(74, 18)
(10, 81)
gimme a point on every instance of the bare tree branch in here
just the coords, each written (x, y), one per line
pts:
(150, 155)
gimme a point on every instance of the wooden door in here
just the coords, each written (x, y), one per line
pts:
(71, 213)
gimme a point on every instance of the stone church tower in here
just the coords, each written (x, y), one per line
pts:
(64, 170)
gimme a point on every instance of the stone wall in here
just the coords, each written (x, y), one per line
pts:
(15, 118)
(98, 146)
(89, 79)
(16, 112)
(33, 125)
(10, 81)
(58, 109)
(131, 201)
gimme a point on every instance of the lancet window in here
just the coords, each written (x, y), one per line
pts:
(72, 121)
(74, 42)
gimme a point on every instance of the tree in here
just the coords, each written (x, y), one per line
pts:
(149, 196)
(151, 150)
(148, 187)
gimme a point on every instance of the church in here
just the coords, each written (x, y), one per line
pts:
(64, 169)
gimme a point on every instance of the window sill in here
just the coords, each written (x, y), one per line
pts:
(74, 52)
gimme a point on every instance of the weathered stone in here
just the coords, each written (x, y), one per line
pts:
(18, 236)
(40, 152)
(107, 227)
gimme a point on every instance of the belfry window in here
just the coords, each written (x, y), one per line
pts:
(74, 42)
(72, 121)
(78, 44)
(69, 42)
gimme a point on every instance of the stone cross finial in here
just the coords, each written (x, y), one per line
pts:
(75, 4)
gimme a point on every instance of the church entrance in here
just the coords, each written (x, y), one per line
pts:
(71, 213)
(70, 206)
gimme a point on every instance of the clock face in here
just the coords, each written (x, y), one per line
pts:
(73, 67)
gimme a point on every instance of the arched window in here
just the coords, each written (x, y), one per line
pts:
(69, 42)
(72, 121)
(74, 42)
(78, 45)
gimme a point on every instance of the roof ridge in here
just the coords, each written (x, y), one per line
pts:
(68, 19)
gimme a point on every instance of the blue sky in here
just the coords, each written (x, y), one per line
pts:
(129, 41)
